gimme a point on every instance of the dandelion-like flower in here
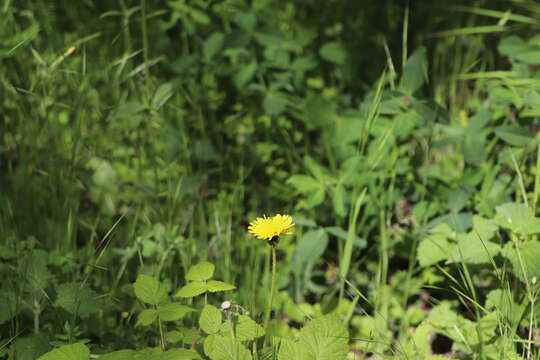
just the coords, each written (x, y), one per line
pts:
(269, 228)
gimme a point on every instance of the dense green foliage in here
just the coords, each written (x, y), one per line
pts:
(139, 138)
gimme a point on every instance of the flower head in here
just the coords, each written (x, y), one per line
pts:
(268, 228)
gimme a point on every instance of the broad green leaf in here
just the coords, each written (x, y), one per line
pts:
(325, 338)
(146, 317)
(433, 249)
(173, 336)
(310, 248)
(210, 319)
(179, 354)
(215, 285)
(518, 218)
(77, 299)
(415, 71)
(333, 51)
(192, 289)
(473, 250)
(173, 311)
(34, 268)
(293, 350)
(246, 21)
(530, 259)
(514, 135)
(201, 271)
(229, 349)
(30, 347)
(75, 351)
(247, 329)
(149, 290)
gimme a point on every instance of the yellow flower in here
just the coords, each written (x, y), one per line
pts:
(266, 228)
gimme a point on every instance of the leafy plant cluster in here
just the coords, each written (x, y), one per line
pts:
(138, 138)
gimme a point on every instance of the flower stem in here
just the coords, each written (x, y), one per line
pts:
(272, 290)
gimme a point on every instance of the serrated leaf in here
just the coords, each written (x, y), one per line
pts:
(210, 319)
(247, 329)
(292, 350)
(215, 285)
(76, 351)
(146, 317)
(77, 299)
(518, 218)
(149, 290)
(192, 289)
(173, 311)
(325, 338)
(229, 349)
(200, 272)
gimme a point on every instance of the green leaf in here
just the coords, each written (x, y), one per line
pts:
(333, 51)
(173, 311)
(339, 200)
(200, 272)
(213, 45)
(149, 290)
(228, 349)
(77, 299)
(433, 249)
(9, 305)
(125, 111)
(247, 329)
(514, 135)
(245, 75)
(163, 93)
(530, 256)
(146, 317)
(518, 218)
(34, 267)
(293, 350)
(30, 347)
(310, 248)
(214, 286)
(210, 319)
(76, 351)
(304, 183)
(325, 338)
(274, 103)
(473, 250)
(179, 354)
(415, 71)
(192, 289)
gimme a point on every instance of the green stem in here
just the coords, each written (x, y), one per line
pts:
(272, 290)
